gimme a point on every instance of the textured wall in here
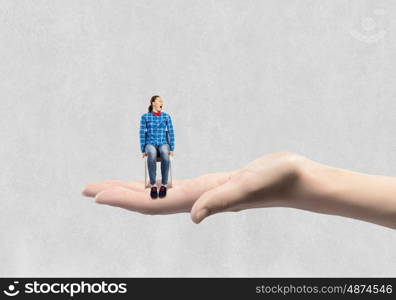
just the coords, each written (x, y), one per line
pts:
(240, 79)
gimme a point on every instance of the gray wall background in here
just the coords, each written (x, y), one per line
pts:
(240, 79)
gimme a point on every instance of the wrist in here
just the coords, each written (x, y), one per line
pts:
(335, 191)
(316, 187)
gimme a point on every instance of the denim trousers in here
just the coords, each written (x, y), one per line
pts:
(152, 152)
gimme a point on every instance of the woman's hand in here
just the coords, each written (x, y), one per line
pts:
(144, 154)
(264, 182)
(132, 195)
(171, 153)
(280, 179)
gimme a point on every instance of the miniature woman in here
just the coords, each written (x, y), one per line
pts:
(157, 137)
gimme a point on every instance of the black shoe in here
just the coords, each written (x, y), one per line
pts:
(153, 192)
(162, 191)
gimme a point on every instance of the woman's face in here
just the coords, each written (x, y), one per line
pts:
(158, 103)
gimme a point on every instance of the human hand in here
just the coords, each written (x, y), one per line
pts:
(269, 181)
(144, 154)
(171, 153)
(291, 180)
(279, 179)
(132, 195)
(216, 192)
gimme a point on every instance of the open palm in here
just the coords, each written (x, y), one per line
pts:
(279, 179)
(264, 182)
(133, 196)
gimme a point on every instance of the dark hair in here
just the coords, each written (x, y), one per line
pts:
(150, 108)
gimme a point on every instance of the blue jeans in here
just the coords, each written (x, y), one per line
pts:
(152, 153)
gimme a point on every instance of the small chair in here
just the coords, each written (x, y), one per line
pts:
(147, 182)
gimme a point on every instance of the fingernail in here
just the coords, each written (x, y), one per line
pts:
(202, 214)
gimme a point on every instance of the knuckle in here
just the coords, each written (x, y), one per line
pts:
(285, 155)
(290, 162)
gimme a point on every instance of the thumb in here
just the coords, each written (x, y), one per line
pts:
(225, 197)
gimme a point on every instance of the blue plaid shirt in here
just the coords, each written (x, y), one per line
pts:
(153, 130)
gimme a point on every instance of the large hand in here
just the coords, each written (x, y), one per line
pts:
(131, 195)
(264, 182)
(277, 179)
(269, 181)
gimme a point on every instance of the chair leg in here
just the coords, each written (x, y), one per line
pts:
(145, 172)
(170, 170)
